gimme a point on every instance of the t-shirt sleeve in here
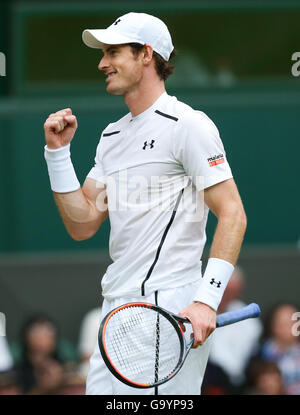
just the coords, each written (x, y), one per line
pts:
(198, 147)
(97, 172)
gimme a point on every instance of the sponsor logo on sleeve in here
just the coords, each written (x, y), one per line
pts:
(215, 160)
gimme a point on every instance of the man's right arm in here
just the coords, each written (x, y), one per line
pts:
(82, 209)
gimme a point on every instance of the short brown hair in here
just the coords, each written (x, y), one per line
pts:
(163, 68)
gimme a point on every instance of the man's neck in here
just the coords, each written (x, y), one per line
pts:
(141, 99)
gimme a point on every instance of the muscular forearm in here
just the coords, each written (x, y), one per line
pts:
(81, 217)
(224, 201)
(229, 234)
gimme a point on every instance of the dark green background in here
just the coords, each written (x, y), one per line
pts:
(260, 131)
(49, 68)
(258, 116)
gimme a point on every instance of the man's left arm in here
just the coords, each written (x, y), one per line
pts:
(224, 201)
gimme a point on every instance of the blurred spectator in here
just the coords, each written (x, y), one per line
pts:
(6, 361)
(41, 367)
(233, 345)
(224, 73)
(88, 338)
(189, 72)
(9, 383)
(281, 345)
(264, 378)
(215, 381)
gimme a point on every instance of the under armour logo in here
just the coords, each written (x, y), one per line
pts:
(117, 21)
(146, 144)
(214, 282)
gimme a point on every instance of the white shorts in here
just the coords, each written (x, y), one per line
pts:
(100, 380)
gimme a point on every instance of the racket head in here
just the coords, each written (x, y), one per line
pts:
(114, 340)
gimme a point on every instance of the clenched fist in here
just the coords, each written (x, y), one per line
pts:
(60, 128)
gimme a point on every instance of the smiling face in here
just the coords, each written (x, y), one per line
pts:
(123, 70)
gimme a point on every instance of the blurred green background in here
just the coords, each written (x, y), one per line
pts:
(233, 62)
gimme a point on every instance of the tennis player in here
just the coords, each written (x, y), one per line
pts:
(157, 173)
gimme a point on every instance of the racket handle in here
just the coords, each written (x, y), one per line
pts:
(250, 311)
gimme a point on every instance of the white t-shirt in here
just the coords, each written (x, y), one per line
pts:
(152, 165)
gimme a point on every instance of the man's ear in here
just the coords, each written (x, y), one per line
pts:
(148, 54)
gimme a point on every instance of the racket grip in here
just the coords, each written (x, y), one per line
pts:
(250, 311)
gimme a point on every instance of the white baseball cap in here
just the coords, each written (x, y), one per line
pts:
(133, 28)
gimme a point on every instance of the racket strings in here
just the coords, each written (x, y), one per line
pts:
(142, 344)
(157, 333)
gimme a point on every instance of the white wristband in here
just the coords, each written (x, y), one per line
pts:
(215, 279)
(62, 175)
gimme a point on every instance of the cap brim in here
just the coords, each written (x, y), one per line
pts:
(96, 38)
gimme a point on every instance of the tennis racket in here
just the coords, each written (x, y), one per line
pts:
(144, 346)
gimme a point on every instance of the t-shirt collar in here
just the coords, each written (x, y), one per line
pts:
(159, 100)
